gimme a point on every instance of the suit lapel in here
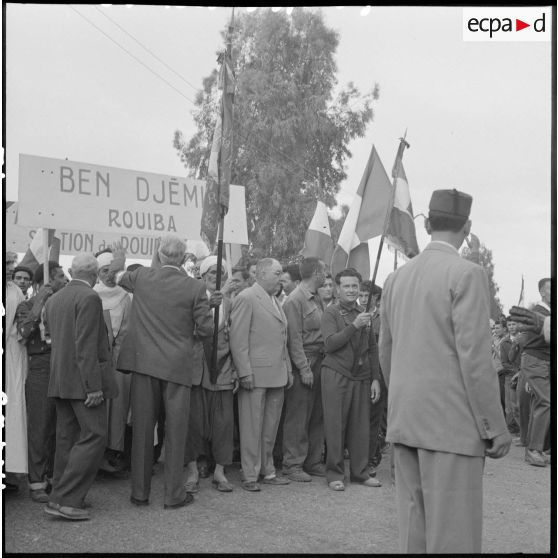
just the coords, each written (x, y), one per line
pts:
(267, 303)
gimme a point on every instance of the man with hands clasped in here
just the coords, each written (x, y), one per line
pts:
(350, 377)
(258, 340)
(81, 381)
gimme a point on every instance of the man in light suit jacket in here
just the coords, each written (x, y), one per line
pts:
(258, 341)
(444, 412)
(80, 381)
(169, 308)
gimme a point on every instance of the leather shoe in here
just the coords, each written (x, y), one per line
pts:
(188, 499)
(192, 487)
(298, 475)
(106, 467)
(535, 457)
(318, 471)
(138, 502)
(251, 486)
(222, 486)
(276, 481)
(39, 495)
(66, 512)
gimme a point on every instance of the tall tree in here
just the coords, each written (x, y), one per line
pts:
(483, 256)
(291, 130)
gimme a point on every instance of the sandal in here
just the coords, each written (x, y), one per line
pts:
(337, 485)
(222, 486)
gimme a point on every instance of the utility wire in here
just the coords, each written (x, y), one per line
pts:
(146, 49)
(132, 55)
(244, 137)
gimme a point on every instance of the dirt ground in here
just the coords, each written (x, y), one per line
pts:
(298, 518)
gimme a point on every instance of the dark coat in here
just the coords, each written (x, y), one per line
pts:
(80, 356)
(168, 309)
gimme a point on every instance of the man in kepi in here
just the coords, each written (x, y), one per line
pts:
(80, 381)
(444, 412)
(159, 349)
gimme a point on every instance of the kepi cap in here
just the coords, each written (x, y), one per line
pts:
(450, 203)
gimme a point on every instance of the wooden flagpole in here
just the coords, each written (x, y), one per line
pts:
(403, 143)
(213, 370)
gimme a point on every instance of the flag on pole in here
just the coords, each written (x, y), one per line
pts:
(401, 234)
(216, 199)
(521, 301)
(33, 258)
(318, 242)
(234, 254)
(365, 220)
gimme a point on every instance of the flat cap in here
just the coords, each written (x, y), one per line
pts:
(450, 203)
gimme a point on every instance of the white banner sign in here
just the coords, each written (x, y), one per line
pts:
(18, 238)
(66, 195)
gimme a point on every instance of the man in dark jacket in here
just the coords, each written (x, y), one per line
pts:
(41, 410)
(80, 382)
(350, 377)
(535, 365)
(168, 309)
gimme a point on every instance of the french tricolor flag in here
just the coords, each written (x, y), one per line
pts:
(33, 258)
(318, 242)
(366, 218)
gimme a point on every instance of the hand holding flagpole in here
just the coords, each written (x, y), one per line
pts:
(224, 168)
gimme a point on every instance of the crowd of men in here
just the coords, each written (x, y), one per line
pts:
(105, 370)
(522, 361)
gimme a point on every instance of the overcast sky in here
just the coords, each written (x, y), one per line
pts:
(478, 114)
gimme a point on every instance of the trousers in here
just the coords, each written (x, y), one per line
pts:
(439, 501)
(523, 407)
(41, 422)
(377, 411)
(511, 404)
(259, 411)
(303, 429)
(81, 437)
(147, 393)
(346, 424)
(537, 374)
(212, 434)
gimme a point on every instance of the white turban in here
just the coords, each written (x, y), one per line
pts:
(208, 262)
(105, 258)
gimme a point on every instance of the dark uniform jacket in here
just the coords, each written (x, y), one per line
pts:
(80, 357)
